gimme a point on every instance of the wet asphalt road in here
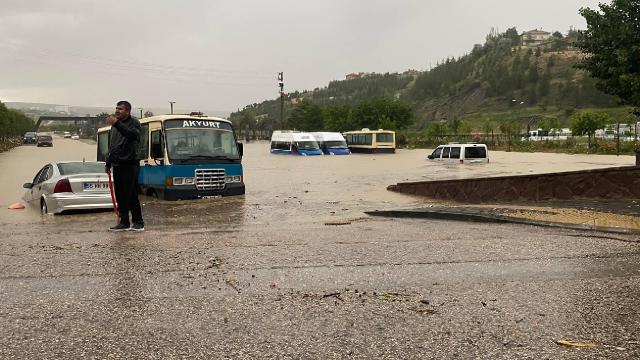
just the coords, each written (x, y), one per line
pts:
(266, 276)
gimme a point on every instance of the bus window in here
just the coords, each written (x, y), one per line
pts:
(445, 152)
(367, 139)
(437, 153)
(384, 137)
(157, 150)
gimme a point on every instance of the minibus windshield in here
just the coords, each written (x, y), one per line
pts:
(337, 144)
(307, 145)
(193, 144)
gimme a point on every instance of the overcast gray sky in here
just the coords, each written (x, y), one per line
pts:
(224, 54)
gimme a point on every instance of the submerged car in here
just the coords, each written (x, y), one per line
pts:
(75, 137)
(29, 138)
(71, 185)
(44, 140)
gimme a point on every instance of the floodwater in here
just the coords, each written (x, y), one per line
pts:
(285, 189)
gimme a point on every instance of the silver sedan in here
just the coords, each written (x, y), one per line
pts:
(71, 185)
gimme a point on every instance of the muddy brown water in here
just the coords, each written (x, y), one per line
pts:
(284, 189)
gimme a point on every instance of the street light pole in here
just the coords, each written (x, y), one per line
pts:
(140, 113)
(172, 102)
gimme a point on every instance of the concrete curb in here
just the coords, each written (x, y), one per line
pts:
(477, 215)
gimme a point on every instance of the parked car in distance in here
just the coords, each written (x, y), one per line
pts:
(71, 185)
(67, 135)
(75, 137)
(44, 140)
(30, 138)
(461, 152)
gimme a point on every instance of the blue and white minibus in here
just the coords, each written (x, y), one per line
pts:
(331, 143)
(185, 157)
(294, 143)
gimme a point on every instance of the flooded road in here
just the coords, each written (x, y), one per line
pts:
(264, 276)
(284, 188)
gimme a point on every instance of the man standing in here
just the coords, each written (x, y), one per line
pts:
(124, 138)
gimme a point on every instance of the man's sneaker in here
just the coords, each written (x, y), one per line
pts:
(119, 227)
(137, 227)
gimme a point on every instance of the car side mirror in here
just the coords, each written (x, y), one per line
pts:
(27, 185)
(430, 157)
(240, 149)
(156, 151)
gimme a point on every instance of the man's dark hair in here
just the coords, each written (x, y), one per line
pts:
(126, 104)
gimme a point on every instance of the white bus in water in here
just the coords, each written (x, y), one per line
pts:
(332, 143)
(294, 143)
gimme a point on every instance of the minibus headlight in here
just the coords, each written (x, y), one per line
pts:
(233, 179)
(183, 181)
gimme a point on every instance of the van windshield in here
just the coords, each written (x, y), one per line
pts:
(337, 144)
(307, 145)
(476, 152)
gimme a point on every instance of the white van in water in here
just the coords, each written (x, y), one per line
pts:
(332, 143)
(461, 152)
(294, 143)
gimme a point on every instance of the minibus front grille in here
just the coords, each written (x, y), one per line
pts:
(210, 179)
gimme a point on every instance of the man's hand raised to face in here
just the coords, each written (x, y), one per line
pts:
(111, 120)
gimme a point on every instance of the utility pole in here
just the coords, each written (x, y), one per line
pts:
(281, 85)
(618, 138)
(140, 113)
(172, 102)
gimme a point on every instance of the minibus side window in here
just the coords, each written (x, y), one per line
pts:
(455, 152)
(445, 152)
(437, 153)
(478, 152)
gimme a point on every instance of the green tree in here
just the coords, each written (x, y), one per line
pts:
(306, 116)
(612, 43)
(586, 123)
(338, 118)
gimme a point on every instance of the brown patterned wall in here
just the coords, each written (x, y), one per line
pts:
(610, 183)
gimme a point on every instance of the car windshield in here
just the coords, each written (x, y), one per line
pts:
(185, 144)
(29, 135)
(337, 144)
(45, 138)
(307, 145)
(74, 168)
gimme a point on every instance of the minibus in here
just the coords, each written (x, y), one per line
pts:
(460, 152)
(332, 143)
(294, 143)
(185, 157)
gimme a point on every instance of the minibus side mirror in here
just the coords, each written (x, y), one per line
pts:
(240, 149)
(156, 151)
(430, 157)
(27, 185)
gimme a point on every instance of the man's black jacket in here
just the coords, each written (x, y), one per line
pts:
(124, 138)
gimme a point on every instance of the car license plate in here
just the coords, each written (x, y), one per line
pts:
(93, 186)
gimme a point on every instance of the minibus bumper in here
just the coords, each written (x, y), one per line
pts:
(182, 193)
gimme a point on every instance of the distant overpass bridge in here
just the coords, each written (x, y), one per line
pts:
(91, 120)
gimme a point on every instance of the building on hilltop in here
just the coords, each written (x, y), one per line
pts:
(534, 37)
(357, 75)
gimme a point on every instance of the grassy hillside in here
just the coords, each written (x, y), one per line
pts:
(496, 81)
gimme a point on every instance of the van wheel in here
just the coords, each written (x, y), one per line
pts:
(43, 207)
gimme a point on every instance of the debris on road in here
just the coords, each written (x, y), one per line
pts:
(16, 206)
(574, 343)
(337, 223)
